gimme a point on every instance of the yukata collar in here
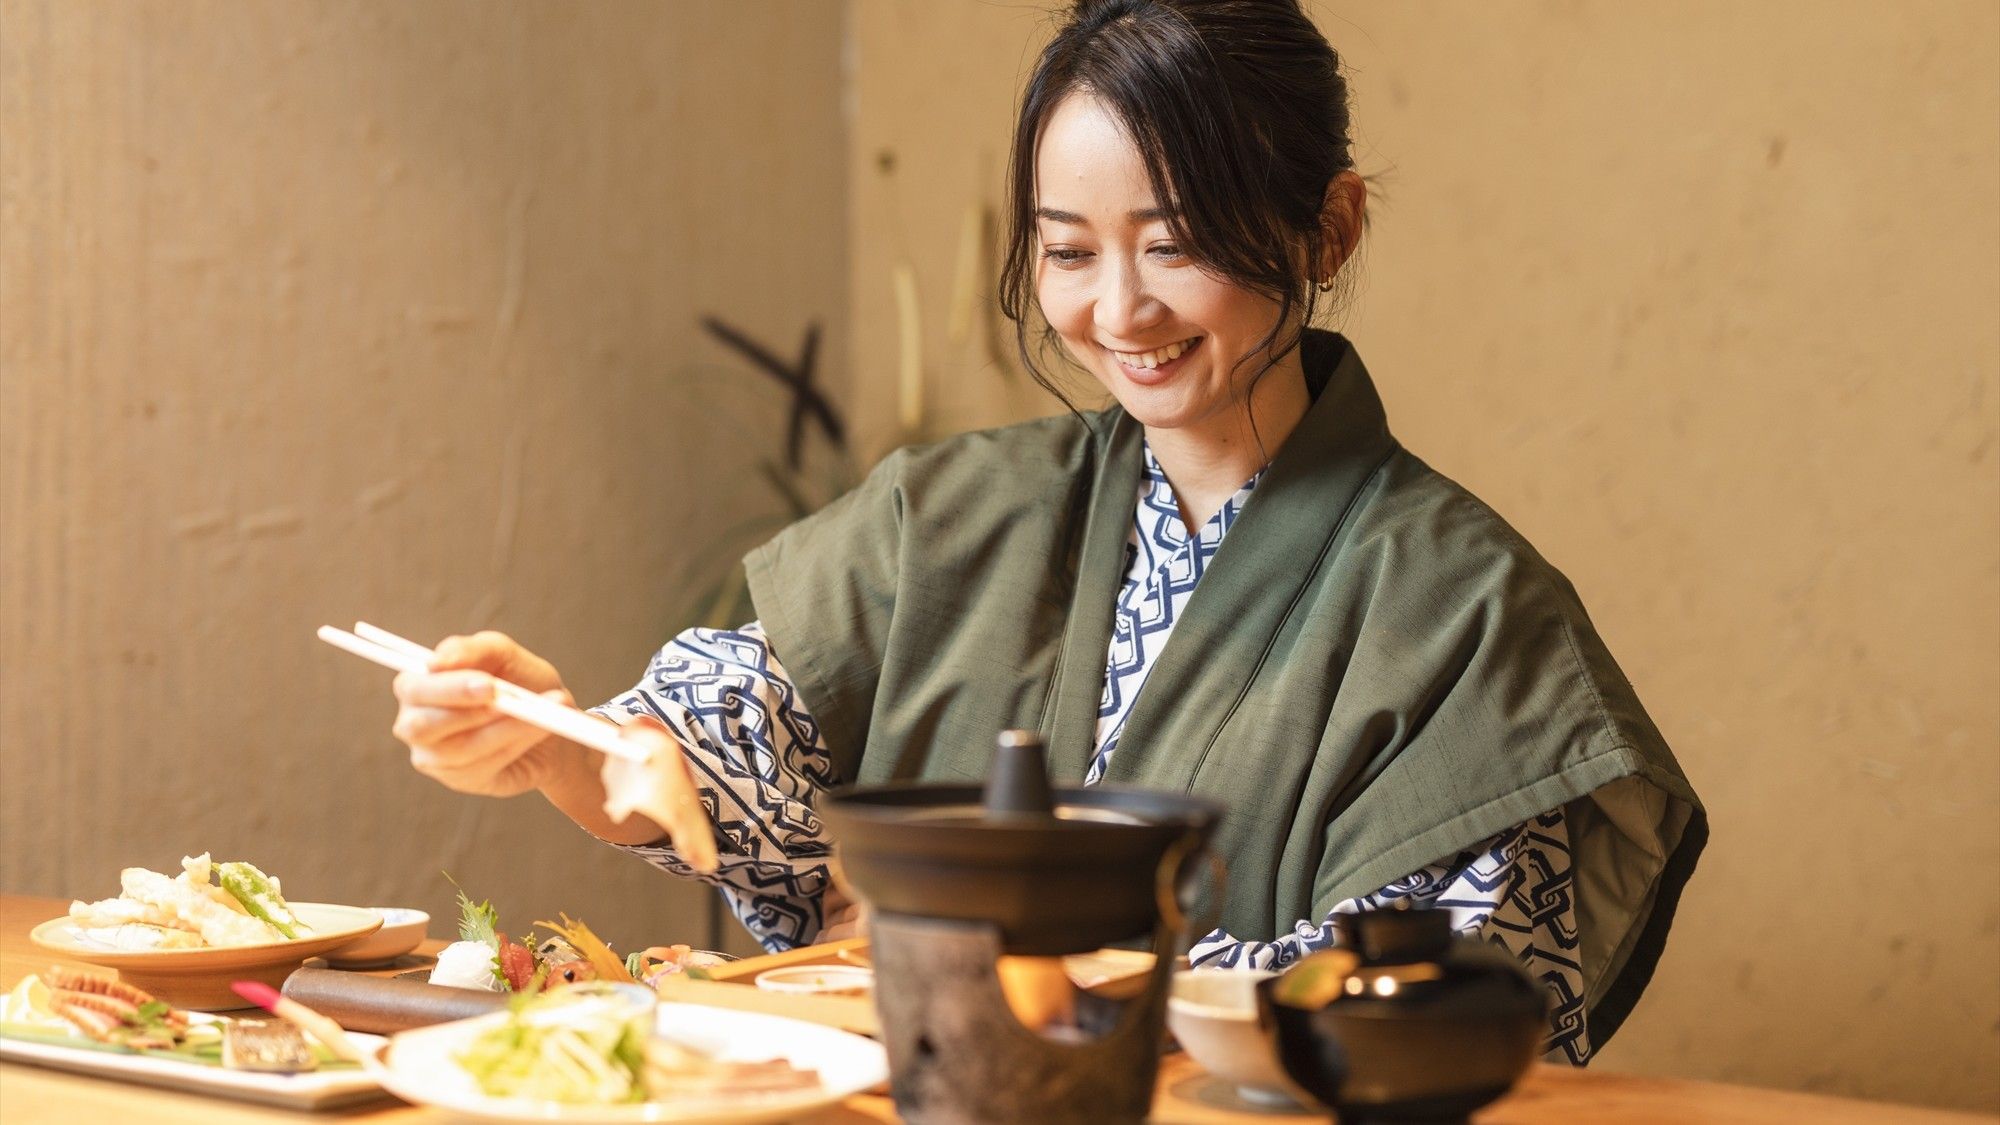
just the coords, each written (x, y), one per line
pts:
(1281, 536)
(1157, 517)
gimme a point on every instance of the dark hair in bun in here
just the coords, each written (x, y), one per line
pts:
(1240, 112)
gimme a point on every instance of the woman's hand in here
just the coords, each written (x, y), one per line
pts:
(455, 735)
(459, 739)
(842, 914)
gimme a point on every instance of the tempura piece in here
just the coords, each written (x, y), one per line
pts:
(187, 911)
(137, 937)
(119, 912)
(197, 872)
(195, 909)
(261, 895)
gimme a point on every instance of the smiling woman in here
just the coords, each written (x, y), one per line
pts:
(1162, 231)
(1233, 583)
(1183, 349)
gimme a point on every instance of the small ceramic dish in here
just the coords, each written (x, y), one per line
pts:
(818, 980)
(402, 930)
(1213, 1013)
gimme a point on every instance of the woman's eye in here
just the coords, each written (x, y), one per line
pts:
(1064, 255)
(1167, 252)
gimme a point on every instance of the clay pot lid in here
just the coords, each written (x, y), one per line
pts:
(1059, 870)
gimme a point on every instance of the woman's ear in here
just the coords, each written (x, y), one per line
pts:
(1340, 222)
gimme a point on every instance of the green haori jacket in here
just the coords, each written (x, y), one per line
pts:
(1375, 672)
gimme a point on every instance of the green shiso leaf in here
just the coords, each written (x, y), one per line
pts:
(478, 922)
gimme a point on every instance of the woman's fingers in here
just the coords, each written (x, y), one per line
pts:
(444, 689)
(498, 654)
(488, 650)
(662, 788)
(429, 726)
(486, 747)
(436, 707)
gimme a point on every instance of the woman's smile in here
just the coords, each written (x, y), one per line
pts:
(1151, 368)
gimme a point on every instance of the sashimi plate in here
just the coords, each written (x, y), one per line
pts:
(200, 978)
(422, 1066)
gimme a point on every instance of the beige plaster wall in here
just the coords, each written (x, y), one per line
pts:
(1702, 297)
(325, 310)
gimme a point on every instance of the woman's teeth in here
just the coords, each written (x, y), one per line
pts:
(1157, 356)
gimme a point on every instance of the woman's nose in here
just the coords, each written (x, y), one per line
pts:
(1124, 309)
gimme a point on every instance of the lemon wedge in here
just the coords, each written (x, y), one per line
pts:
(28, 1003)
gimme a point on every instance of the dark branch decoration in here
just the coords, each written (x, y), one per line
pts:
(798, 378)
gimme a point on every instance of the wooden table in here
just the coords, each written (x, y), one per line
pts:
(1187, 1096)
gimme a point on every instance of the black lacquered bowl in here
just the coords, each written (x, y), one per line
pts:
(1425, 1027)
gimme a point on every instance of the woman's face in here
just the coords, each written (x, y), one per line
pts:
(1158, 332)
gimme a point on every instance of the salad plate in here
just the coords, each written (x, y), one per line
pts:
(426, 1066)
(200, 978)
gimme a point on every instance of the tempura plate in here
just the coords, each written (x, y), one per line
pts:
(200, 978)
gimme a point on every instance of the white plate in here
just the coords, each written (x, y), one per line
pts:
(319, 1089)
(420, 1067)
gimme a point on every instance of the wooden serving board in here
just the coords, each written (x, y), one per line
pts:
(852, 951)
(848, 1013)
(1111, 973)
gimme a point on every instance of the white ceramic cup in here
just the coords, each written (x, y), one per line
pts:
(1213, 1013)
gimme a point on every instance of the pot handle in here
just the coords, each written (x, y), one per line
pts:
(1168, 877)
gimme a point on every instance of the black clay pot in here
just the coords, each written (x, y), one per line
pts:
(1059, 871)
(1418, 1024)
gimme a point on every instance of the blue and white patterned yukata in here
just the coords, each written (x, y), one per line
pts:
(761, 763)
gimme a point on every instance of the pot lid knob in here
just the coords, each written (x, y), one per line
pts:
(1017, 784)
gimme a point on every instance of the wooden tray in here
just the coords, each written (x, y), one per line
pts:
(1112, 973)
(851, 951)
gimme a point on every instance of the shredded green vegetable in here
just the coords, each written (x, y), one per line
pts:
(563, 1047)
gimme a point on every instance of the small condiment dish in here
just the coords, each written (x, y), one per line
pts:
(402, 930)
(818, 980)
(1213, 1013)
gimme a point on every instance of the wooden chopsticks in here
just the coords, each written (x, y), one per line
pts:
(391, 651)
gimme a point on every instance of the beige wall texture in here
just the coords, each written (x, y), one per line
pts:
(1702, 297)
(317, 311)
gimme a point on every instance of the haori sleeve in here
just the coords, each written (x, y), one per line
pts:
(759, 762)
(1514, 890)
